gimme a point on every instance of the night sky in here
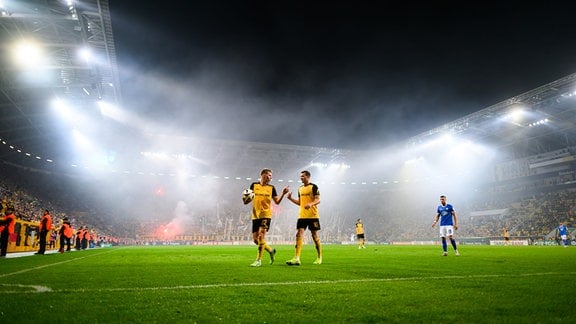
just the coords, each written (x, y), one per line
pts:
(355, 74)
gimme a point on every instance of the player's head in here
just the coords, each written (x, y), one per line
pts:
(265, 170)
(443, 199)
(305, 176)
(266, 176)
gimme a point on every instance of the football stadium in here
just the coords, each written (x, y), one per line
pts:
(159, 232)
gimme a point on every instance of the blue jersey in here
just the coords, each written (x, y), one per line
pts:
(562, 230)
(445, 213)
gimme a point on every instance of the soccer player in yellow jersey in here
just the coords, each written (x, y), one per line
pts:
(308, 200)
(264, 193)
(360, 234)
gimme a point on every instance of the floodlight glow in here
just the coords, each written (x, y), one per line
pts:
(111, 111)
(514, 116)
(339, 166)
(155, 155)
(28, 54)
(80, 139)
(413, 160)
(540, 122)
(85, 54)
(62, 108)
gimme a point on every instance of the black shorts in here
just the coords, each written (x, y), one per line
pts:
(359, 236)
(312, 224)
(261, 222)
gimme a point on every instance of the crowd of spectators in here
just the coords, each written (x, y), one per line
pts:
(29, 200)
(388, 215)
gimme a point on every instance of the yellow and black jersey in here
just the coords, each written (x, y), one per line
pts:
(359, 228)
(307, 194)
(262, 203)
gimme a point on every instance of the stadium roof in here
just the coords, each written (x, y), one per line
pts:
(52, 50)
(538, 121)
(27, 92)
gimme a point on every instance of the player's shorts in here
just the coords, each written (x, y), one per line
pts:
(261, 222)
(564, 237)
(506, 238)
(312, 224)
(446, 230)
(359, 236)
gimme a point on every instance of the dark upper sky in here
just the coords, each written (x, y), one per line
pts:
(348, 74)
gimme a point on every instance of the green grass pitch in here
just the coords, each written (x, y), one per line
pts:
(214, 284)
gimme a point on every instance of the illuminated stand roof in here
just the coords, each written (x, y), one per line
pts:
(80, 68)
(52, 50)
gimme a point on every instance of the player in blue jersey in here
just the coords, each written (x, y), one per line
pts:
(448, 224)
(562, 232)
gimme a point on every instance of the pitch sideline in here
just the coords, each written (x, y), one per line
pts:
(44, 289)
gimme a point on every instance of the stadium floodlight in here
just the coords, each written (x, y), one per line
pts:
(538, 123)
(85, 54)
(515, 116)
(28, 54)
(3, 10)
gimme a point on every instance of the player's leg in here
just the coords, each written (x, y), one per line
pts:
(318, 246)
(256, 239)
(453, 242)
(298, 247)
(443, 239)
(264, 227)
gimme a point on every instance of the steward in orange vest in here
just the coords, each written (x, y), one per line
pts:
(65, 235)
(7, 225)
(44, 228)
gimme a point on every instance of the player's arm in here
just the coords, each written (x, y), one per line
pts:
(277, 199)
(315, 202)
(295, 201)
(436, 220)
(455, 220)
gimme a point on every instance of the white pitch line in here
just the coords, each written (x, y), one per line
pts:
(35, 288)
(52, 264)
(286, 283)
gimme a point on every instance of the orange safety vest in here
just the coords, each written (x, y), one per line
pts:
(66, 230)
(10, 221)
(46, 218)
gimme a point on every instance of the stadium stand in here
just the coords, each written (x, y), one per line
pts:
(532, 176)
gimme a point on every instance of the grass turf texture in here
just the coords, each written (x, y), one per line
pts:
(208, 284)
